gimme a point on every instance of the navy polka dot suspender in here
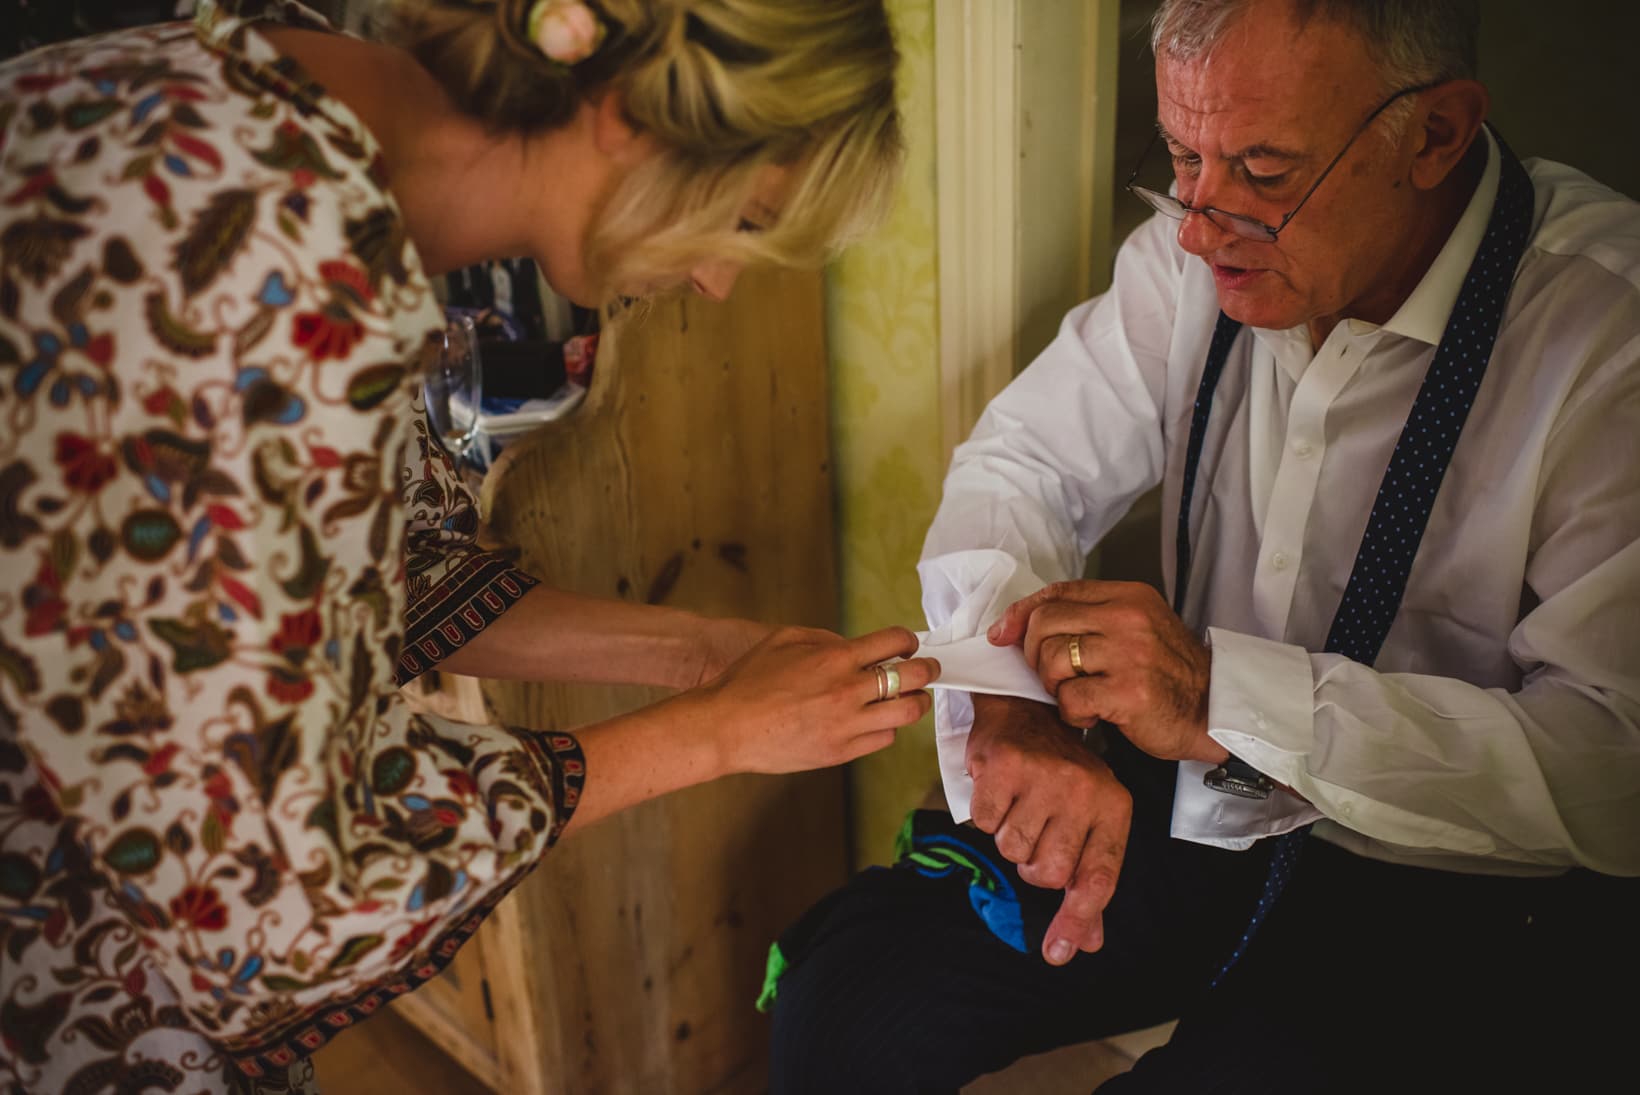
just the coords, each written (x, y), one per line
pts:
(1406, 497)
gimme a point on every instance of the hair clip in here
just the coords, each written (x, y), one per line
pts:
(566, 31)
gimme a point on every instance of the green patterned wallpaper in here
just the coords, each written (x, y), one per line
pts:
(883, 322)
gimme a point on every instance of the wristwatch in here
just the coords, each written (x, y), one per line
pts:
(1237, 777)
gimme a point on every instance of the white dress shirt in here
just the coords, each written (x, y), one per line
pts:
(1499, 730)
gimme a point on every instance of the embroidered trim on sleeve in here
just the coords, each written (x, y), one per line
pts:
(470, 598)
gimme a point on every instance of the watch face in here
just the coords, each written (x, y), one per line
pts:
(1245, 784)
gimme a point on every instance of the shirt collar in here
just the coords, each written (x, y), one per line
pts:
(1291, 348)
(1424, 314)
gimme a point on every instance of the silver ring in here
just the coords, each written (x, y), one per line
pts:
(890, 681)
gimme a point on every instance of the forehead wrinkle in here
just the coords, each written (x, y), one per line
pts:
(1245, 114)
(1271, 83)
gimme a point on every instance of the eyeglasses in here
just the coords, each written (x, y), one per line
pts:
(1244, 226)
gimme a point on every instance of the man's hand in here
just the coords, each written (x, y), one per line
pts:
(1142, 670)
(1055, 809)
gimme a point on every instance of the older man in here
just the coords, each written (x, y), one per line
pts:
(1362, 807)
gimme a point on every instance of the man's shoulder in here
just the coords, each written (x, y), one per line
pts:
(1584, 229)
(1578, 287)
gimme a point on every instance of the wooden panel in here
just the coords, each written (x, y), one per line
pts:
(388, 1054)
(695, 475)
(450, 1013)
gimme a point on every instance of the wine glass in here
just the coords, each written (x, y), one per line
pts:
(454, 387)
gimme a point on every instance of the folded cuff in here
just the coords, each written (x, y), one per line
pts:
(1261, 703)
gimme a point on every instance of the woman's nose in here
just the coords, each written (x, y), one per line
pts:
(714, 280)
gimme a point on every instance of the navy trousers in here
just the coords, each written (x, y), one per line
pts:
(1366, 977)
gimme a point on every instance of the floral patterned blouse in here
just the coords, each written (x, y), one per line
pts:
(225, 539)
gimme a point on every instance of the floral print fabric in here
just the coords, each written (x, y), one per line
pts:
(223, 835)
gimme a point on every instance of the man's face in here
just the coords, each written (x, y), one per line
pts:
(1250, 126)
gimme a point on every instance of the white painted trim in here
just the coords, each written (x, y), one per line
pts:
(1024, 126)
(1100, 183)
(975, 92)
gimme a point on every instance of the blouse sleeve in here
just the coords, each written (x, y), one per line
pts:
(454, 589)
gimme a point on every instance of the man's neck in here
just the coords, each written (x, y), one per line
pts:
(1425, 233)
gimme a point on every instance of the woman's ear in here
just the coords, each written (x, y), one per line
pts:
(1453, 113)
(613, 133)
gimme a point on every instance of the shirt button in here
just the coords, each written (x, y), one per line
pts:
(1302, 449)
(1279, 560)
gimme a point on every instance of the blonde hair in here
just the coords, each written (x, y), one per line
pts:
(728, 88)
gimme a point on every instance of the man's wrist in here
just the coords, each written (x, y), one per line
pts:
(992, 710)
(1208, 750)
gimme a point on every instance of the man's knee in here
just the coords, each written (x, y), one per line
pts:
(898, 983)
(845, 1010)
(894, 983)
(826, 1035)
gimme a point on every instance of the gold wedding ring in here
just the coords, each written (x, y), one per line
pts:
(1076, 656)
(888, 682)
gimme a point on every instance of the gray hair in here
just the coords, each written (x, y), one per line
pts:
(1413, 41)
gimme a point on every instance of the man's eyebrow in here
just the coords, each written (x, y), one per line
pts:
(1260, 151)
(1266, 152)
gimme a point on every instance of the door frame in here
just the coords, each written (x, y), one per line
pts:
(1025, 181)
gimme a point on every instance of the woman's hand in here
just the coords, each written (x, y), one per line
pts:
(799, 699)
(722, 642)
(805, 698)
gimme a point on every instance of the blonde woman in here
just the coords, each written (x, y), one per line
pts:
(227, 536)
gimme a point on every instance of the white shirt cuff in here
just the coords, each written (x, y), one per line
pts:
(1260, 707)
(964, 593)
(953, 719)
(1261, 703)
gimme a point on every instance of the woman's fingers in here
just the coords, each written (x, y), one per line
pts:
(866, 744)
(879, 646)
(827, 703)
(889, 679)
(886, 685)
(895, 713)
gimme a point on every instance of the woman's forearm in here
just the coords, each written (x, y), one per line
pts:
(650, 752)
(554, 635)
(802, 699)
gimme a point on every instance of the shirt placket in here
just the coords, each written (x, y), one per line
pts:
(1298, 474)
